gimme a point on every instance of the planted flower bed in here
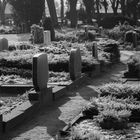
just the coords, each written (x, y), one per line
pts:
(115, 114)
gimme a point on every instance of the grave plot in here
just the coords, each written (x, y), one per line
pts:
(113, 115)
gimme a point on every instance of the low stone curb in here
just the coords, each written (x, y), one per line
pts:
(12, 89)
(18, 115)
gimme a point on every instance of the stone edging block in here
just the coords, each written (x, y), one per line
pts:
(18, 115)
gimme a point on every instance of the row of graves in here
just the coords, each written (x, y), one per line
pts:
(40, 92)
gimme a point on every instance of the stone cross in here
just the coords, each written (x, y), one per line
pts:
(40, 71)
(75, 64)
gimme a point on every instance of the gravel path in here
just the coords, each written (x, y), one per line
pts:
(46, 123)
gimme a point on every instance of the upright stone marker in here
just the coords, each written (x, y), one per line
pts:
(95, 50)
(135, 39)
(75, 64)
(3, 44)
(40, 71)
(47, 37)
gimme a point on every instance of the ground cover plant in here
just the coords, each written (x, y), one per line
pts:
(113, 114)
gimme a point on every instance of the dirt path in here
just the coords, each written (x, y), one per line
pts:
(46, 123)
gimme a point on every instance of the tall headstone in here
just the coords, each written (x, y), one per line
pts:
(75, 65)
(40, 71)
(47, 37)
(95, 50)
(3, 44)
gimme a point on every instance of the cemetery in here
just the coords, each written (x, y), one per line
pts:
(75, 80)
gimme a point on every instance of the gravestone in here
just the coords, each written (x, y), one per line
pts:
(47, 37)
(40, 71)
(132, 36)
(75, 64)
(135, 39)
(3, 44)
(129, 36)
(95, 50)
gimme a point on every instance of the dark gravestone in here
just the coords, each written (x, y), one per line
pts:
(75, 64)
(40, 71)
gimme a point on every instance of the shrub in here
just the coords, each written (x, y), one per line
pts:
(78, 134)
(37, 34)
(120, 90)
(133, 65)
(118, 32)
(112, 119)
(109, 50)
(48, 25)
(12, 47)
(113, 49)
(110, 21)
(90, 110)
(135, 112)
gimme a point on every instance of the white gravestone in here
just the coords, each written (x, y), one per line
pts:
(47, 37)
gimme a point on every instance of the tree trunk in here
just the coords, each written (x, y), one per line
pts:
(2, 16)
(52, 11)
(123, 7)
(2, 11)
(62, 10)
(98, 10)
(88, 4)
(105, 10)
(73, 13)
